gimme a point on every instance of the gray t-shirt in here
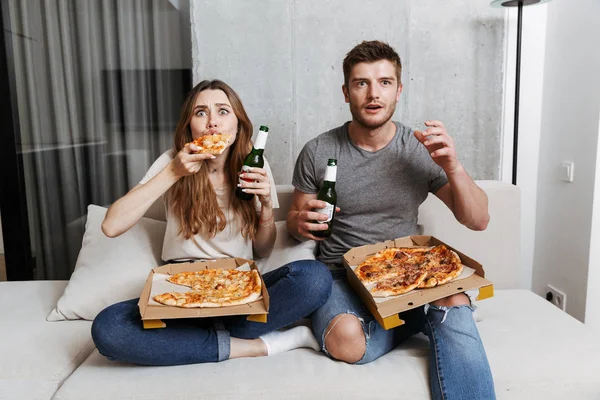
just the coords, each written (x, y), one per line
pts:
(379, 193)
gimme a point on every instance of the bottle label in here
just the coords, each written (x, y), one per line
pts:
(261, 140)
(330, 173)
(327, 210)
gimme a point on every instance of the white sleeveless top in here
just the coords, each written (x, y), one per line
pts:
(227, 243)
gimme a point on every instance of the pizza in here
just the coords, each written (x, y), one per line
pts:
(399, 270)
(213, 288)
(211, 144)
(206, 275)
(406, 279)
(385, 263)
(446, 267)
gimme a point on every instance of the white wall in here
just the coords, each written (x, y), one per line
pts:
(569, 132)
(592, 305)
(530, 117)
(289, 74)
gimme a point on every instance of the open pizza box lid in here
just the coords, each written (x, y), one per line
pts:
(149, 312)
(386, 312)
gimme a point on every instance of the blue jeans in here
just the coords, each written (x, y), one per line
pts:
(295, 290)
(458, 366)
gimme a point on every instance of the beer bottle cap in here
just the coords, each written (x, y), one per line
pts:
(264, 128)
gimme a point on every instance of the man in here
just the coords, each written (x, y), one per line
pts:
(385, 171)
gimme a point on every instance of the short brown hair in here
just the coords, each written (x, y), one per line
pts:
(369, 52)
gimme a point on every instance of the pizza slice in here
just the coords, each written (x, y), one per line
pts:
(444, 266)
(212, 144)
(385, 263)
(206, 275)
(374, 269)
(185, 278)
(185, 300)
(407, 278)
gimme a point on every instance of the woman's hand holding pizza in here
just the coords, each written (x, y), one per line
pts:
(439, 145)
(188, 162)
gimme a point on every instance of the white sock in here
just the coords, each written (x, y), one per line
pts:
(281, 341)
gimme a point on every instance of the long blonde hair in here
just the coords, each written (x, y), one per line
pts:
(192, 198)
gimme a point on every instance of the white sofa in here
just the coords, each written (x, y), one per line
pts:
(535, 350)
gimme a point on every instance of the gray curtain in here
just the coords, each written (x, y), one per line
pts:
(99, 86)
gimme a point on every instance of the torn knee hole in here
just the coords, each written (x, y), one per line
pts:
(344, 325)
(345, 339)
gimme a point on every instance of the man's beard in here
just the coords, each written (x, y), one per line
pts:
(371, 124)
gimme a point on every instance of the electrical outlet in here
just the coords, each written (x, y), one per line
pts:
(556, 297)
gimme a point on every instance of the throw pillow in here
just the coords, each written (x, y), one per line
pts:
(109, 270)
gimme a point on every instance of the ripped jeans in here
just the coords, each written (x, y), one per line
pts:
(458, 366)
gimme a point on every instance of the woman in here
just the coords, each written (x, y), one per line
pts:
(205, 220)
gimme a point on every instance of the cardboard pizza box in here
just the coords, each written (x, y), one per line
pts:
(154, 314)
(386, 311)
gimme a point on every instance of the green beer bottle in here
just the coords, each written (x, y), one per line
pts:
(329, 196)
(254, 159)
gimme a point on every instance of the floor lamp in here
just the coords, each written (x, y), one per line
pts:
(520, 4)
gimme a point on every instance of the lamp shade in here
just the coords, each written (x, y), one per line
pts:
(515, 3)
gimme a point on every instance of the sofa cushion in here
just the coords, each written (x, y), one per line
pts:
(535, 351)
(36, 356)
(109, 270)
(299, 374)
(496, 248)
(286, 250)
